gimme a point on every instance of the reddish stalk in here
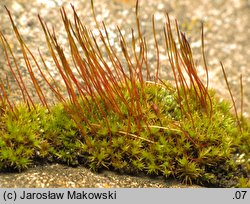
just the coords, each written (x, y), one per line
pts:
(241, 98)
(181, 61)
(231, 96)
(28, 64)
(203, 54)
(4, 98)
(20, 83)
(180, 81)
(157, 51)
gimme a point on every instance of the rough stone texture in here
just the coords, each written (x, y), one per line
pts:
(56, 176)
(227, 33)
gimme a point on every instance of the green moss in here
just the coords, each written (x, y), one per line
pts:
(169, 146)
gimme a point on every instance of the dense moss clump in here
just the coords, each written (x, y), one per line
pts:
(123, 117)
(200, 151)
